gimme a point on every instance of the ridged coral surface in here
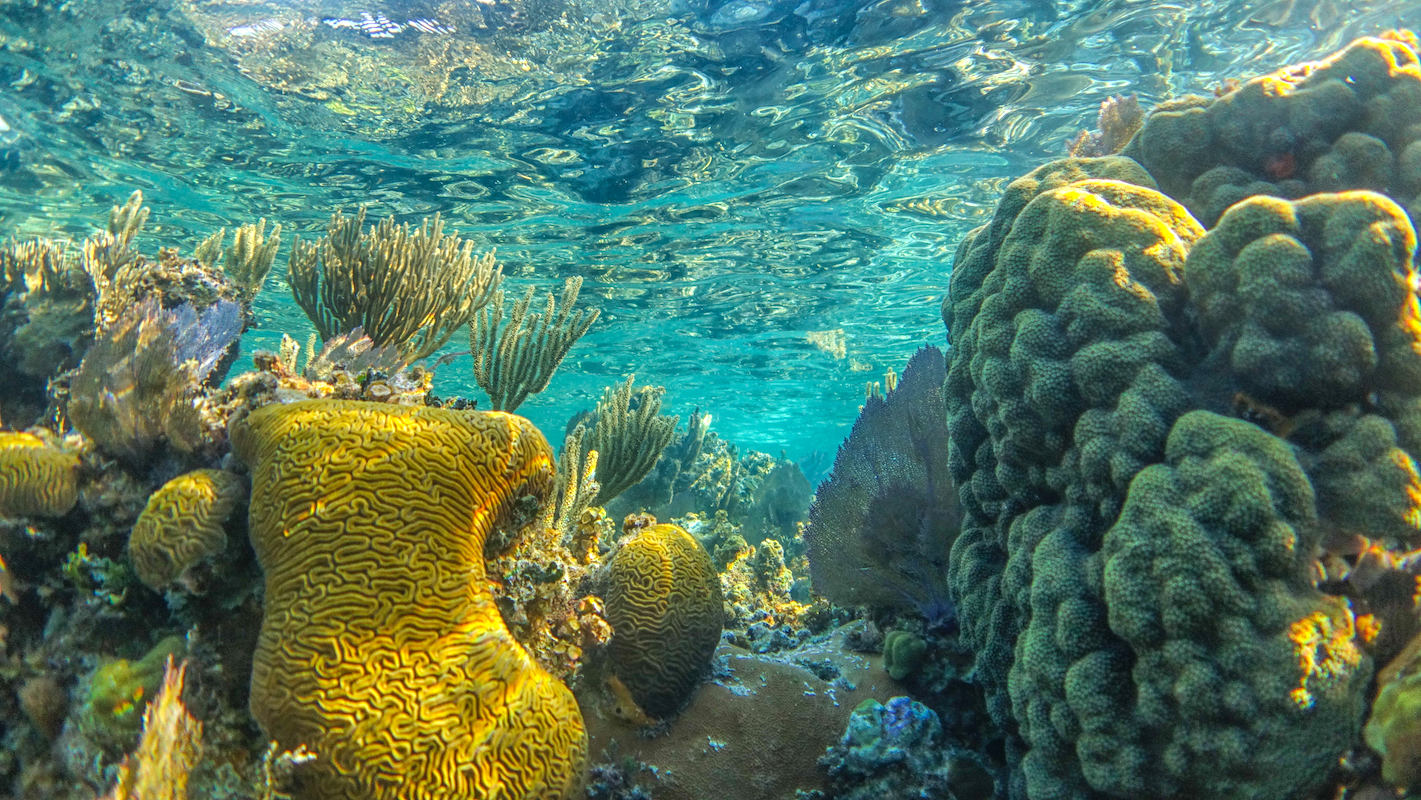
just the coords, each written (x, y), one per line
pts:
(35, 478)
(183, 524)
(664, 604)
(381, 646)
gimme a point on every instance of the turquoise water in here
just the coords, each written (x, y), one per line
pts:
(727, 177)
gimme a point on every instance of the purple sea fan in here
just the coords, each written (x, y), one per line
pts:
(881, 526)
(140, 382)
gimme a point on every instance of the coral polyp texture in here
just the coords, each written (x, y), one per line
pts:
(1158, 429)
(381, 647)
(182, 524)
(664, 604)
(36, 478)
(1351, 121)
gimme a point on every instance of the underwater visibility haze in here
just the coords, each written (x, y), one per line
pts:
(710, 400)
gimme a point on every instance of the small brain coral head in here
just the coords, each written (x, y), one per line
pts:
(35, 478)
(381, 647)
(182, 524)
(664, 603)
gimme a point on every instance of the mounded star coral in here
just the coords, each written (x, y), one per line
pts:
(381, 647)
(1350, 121)
(1158, 429)
(35, 477)
(664, 604)
(182, 524)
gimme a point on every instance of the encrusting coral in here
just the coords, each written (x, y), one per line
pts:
(382, 648)
(1135, 571)
(182, 524)
(35, 476)
(664, 603)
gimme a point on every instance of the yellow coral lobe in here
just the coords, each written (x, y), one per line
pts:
(1327, 653)
(182, 524)
(382, 649)
(35, 478)
(664, 604)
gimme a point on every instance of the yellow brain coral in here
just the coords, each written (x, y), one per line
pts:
(182, 524)
(35, 478)
(381, 647)
(664, 604)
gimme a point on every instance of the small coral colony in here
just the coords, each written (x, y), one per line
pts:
(1150, 527)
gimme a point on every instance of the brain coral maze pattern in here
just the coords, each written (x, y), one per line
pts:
(381, 647)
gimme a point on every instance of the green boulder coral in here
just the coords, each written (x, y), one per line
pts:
(1154, 427)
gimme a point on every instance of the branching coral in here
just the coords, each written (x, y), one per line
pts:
(628, 432)
(516, 358)
(382, 648)
(248, 260)
(408, 289)
(46, 321)
(880, 528)
(169, 749)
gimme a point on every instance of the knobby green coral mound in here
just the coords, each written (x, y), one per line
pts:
(182, 524)
(1154, 426)
(35, 478)
(1351, 121)
(664, 604)
(381, 647)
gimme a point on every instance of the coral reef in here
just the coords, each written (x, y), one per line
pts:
(903, 653)
(117, 693)
(169, 749)
(139, 385)
(664, 604)
(36, 477)
(404, 289)
(880, 528)
(628, 432)
(46, 322)
(182, 524)
(1135, 570)
(400, 634)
